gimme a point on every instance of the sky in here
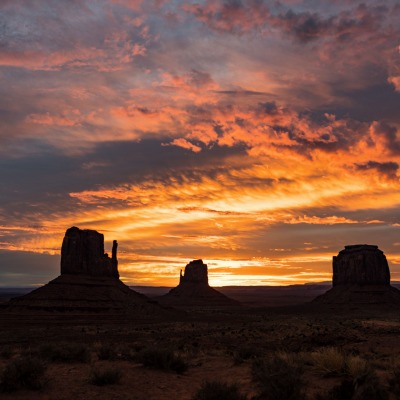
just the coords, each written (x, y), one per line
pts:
(260, 136)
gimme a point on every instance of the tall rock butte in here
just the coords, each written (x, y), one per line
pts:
(360, 275)
(194, 290)
(89, 281)
(82, 253)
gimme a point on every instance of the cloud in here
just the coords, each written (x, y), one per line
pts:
(388, 169)
(101, 44)
(240, 17)
(217, 129)
(395, 81)
(231, 15)
(347, 25)
(181, 142)
(385, 137)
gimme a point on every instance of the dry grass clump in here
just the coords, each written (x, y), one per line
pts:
(215, 390)
(359, 380)
(329, 361)
(357, 367)
(23, 373)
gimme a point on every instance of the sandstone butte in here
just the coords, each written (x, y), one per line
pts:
(89, 281)
(194, 290)
(361, 275)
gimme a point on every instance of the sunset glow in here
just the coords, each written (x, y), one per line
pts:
(259, 136)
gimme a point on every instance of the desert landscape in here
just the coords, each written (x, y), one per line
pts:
(90, 336)
(199, 200)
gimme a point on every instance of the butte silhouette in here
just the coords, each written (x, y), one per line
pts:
(194, 290)
(89, 281)
(361, 275)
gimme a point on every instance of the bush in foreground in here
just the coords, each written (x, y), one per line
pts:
(329, 361)
(23, 372)
(278, 377)
(164, 359)
(215, 390)
(102, 376)
(369, 387)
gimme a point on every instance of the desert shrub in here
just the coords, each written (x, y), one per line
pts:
(369, 387)
(245, 352)
(65, 352)
(366, 387)
(102, 376)
(329, 361)
(394, 376)
(215, 390)
(278, 378)
(23, 372)
(164, 359)
(106, 352)
(356, 367)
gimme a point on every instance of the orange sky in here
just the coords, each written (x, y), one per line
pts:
(259, 137)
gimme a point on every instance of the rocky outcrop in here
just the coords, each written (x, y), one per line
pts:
(360, 275)
(196, 272)
(360, 264)
(88, 282)
(194, 290)
(82, 253)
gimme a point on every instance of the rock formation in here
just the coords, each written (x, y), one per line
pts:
(82, 253)
(89, 281)
(360, 264)
(360, 275)
(196, 272)
(194, 290)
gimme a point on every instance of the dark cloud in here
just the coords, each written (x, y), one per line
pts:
(386, 135)
(373, 102)
(240, 17)
(303, 26)
(40, 184)
(235, 16)
(387, 169)
(307, 26)
(200, 79)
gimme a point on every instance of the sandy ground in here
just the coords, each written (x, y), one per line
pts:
(217, 344)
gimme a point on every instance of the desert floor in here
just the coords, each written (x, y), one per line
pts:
(303, 351)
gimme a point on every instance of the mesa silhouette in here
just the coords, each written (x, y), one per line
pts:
(361, 275)
(89, 281)
(194, 290)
